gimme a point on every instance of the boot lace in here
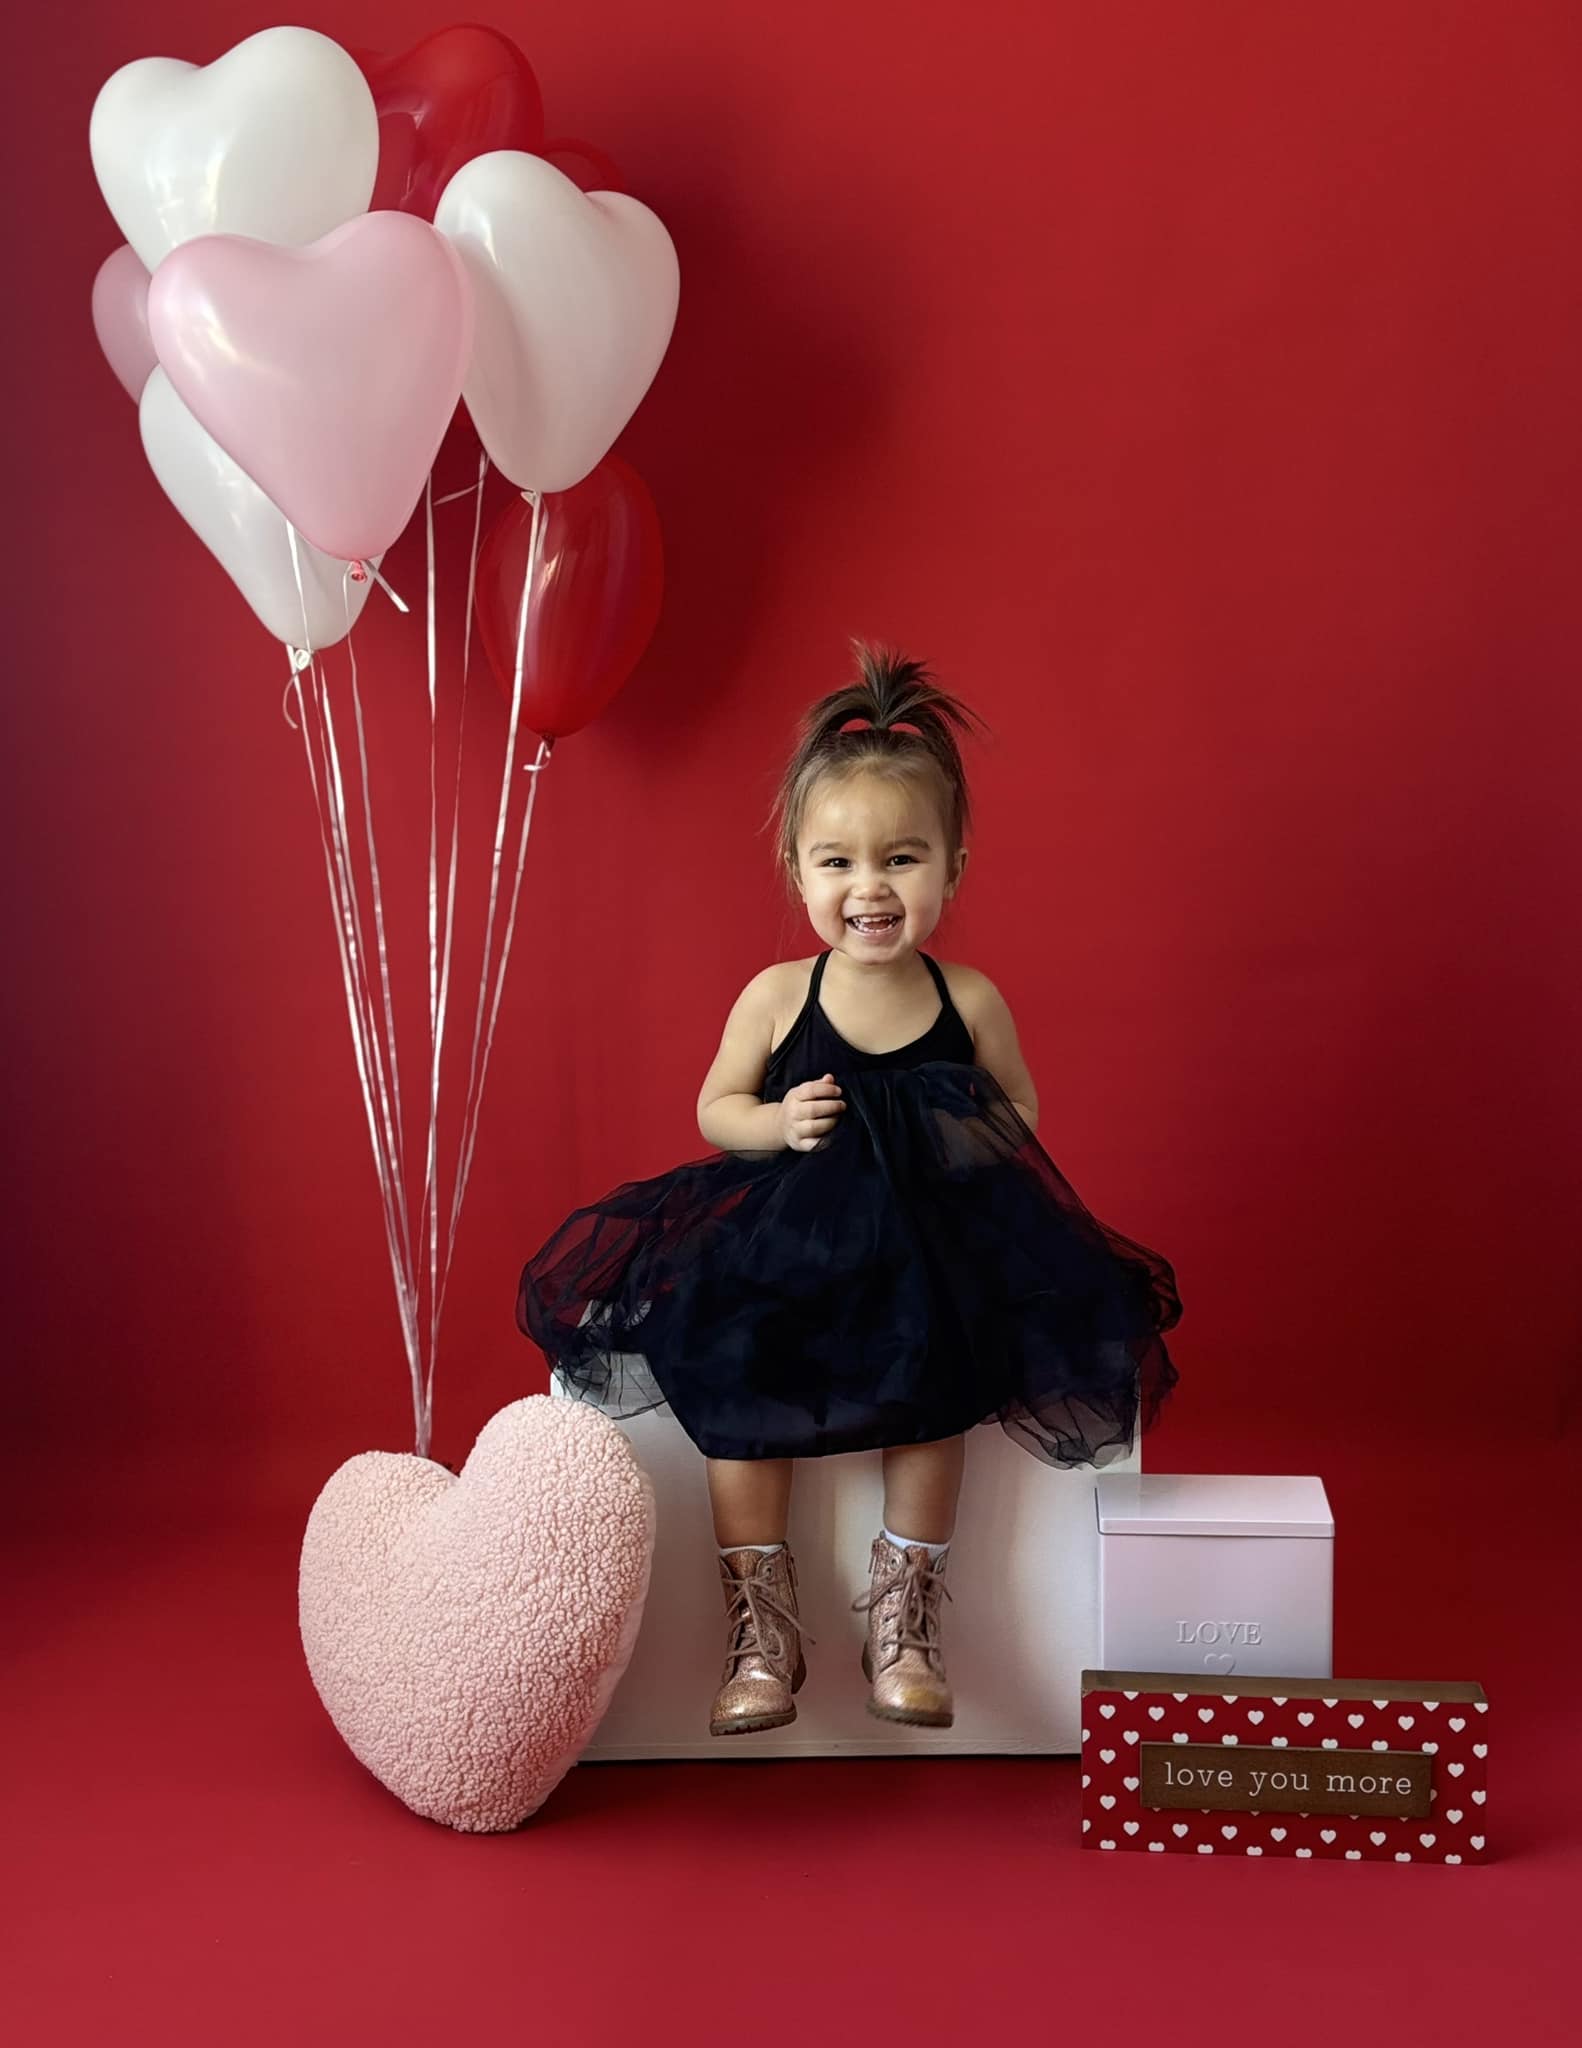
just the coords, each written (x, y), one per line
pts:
(917, 1620)
(751, 1601)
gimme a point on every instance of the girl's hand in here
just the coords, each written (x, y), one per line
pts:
(810, 1112)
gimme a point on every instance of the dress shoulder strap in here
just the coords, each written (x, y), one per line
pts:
(939, 979)
(818, 976)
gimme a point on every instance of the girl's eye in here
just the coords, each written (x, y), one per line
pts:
(833, 860)
(909, 858)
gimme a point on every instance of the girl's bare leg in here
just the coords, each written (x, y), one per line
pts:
(751, 1499)
(922, 1483)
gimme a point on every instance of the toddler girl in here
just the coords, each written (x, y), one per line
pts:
(881, 1255)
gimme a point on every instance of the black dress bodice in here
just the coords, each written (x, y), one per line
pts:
(813, 1047)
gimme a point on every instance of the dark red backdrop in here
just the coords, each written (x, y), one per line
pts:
(1197, 389)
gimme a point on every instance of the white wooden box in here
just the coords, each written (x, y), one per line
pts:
(1215, 1572)
(1019, 1629)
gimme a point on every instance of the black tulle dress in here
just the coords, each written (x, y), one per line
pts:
(925, 1269)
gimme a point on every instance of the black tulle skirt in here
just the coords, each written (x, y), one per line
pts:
(926, 1269)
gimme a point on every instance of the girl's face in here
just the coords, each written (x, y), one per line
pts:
(873, 866)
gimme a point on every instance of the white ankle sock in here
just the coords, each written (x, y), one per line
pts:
(935, 1550)
(725, 1549)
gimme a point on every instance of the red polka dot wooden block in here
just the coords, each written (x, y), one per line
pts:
(1361, 1770)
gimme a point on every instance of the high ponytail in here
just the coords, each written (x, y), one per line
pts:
(891, 719)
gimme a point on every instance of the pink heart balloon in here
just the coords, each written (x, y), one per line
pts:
(328, 373)
(120, 319)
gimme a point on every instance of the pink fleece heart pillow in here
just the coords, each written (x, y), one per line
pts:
(466, 1633)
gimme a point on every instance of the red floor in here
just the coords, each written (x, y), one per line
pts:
(193, 1857)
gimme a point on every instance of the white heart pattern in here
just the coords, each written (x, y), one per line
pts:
(1185, 1835)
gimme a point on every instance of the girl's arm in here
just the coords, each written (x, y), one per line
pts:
(731, 1111)
(988, 1018)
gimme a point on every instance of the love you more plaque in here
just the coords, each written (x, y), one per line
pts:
(1361, 1770)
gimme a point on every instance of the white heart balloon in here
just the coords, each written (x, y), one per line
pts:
(242, 529)
(277, 139)
(576, 297)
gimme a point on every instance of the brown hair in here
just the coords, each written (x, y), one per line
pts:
(891, 692)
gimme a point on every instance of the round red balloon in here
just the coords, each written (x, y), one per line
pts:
(459, 93)
(594, 599)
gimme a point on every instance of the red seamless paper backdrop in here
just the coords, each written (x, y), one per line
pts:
(1196, 387)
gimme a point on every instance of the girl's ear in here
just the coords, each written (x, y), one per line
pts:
(961, 868)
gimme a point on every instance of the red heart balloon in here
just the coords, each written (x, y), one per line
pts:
(459, 93)
(589, 168)
(594, 601)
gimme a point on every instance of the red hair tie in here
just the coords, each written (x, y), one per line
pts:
(867, 725)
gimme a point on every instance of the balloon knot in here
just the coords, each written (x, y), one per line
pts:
(359, 573)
